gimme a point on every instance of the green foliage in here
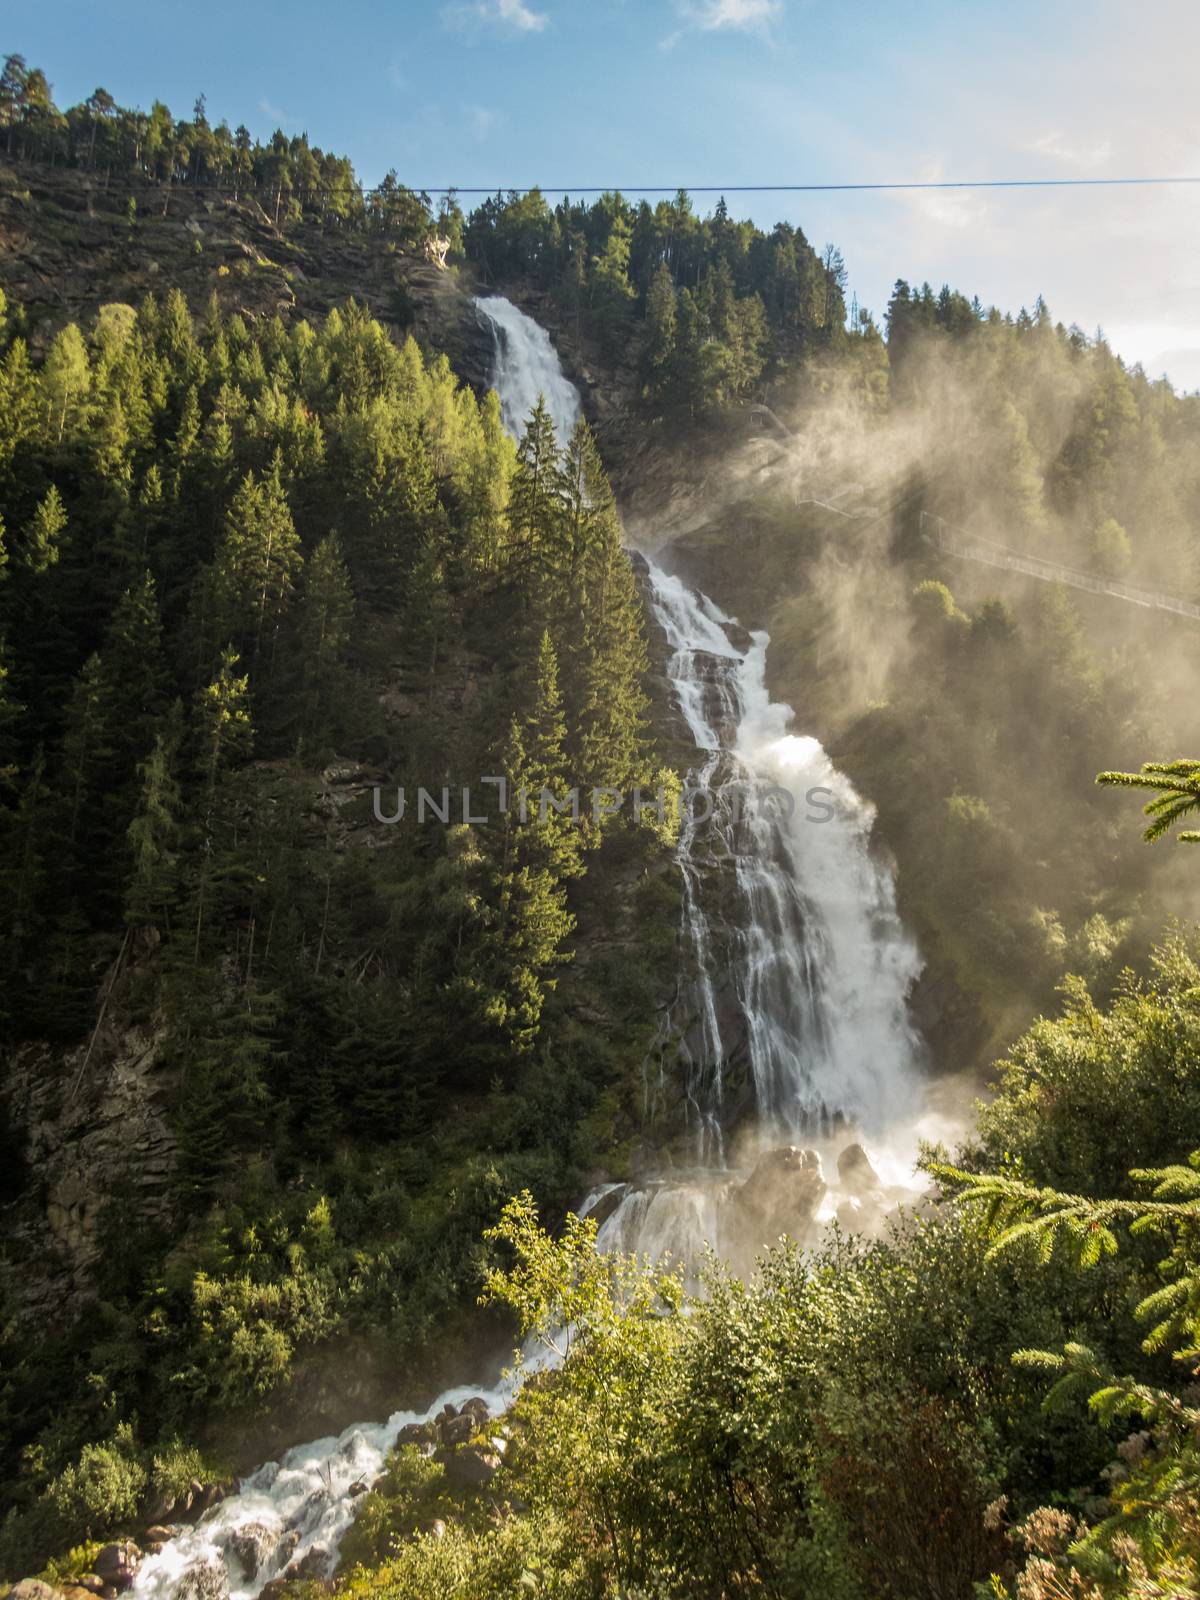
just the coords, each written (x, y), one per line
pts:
(1087, 1096)
(197, 666)
(102, 1488)
(1177, 785)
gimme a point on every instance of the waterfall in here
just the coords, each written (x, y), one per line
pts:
(526, 366)
(801, 977)
(811, 991)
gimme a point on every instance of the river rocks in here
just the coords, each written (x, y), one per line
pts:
(116, 1564)
(418, 1433)
(314, 1563)
(32, 1589)
(457, 1430)
(477, 1406)
(359, 1486)
(204, 1580)
(157, 1533)
(252, 1546)
(92, 1582)
(286, 1548)
(472, 1467)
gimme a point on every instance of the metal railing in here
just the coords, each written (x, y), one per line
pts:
(972, 547)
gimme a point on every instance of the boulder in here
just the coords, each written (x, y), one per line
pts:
(782, 1195)
(159, 1508)
(314, 1563)
(116, 1564)
(287, 1546)
(855, 1172)
(158, 1533)
(415, 1433)
(32, 1589)
(359, 1486)
(204, 1580)
(252, 1546)
(457, 1430)
(92, 1582)
(210, 1495)
(472, 1467)
(477, 1406)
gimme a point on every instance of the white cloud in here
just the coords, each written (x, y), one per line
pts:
(711, 15)
(509, 14)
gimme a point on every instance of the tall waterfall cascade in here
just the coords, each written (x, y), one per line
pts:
(800, 994)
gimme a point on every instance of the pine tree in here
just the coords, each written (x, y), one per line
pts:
(426, 608)
(41, 546)
(537, 849)
(224, 730)
(535, 509)
(135, 673)
(326, 620)
(18, 403)
(153, 837)
(87, 747)
(256, 565)
(660, 333)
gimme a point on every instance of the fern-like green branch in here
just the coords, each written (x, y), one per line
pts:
(1019, 1214)
(1177, 787)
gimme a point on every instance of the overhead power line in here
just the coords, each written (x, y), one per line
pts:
(796, 188)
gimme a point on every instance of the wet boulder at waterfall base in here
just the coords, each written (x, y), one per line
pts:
(782, 1195)
(855, 1173)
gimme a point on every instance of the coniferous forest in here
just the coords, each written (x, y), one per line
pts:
(297, 1102)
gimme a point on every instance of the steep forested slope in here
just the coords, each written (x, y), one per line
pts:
(272, 1064)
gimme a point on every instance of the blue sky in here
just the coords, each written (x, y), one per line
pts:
(622, 92)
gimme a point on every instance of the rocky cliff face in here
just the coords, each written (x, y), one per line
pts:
(69, 244)
(96, 1130)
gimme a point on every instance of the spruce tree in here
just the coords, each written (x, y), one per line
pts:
(660, 334)
(42, 544)
(326, 620)
(256, 565)
(535, 506)
(153, 837)
(224, 730)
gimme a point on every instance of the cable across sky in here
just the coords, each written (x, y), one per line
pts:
(796, 188)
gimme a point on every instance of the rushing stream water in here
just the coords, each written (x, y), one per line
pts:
(798, 990)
